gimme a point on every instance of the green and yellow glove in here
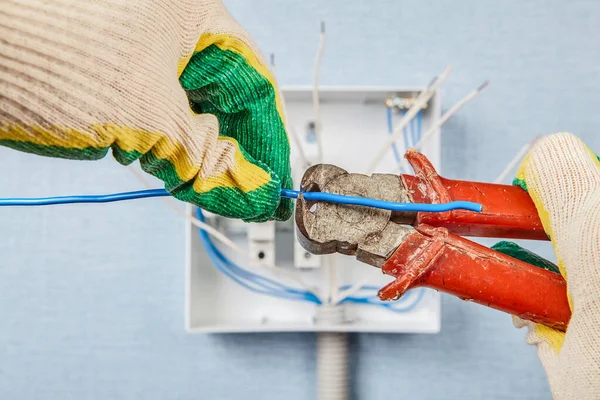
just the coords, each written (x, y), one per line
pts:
(178, 86)
(562, 177)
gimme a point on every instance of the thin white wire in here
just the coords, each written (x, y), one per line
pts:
(315, 94)
(290, 130)
(435, 129)
(328, 261)
(221, 237)
(513, 163)
(419, 102)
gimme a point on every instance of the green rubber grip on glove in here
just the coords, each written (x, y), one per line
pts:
(513, 250)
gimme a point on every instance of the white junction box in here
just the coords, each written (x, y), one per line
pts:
(354, 125)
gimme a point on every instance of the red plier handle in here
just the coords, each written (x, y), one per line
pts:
(507, 211)
(435, 256)
(427, 249)
(437, 259)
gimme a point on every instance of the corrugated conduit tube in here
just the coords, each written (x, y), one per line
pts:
(332, 355)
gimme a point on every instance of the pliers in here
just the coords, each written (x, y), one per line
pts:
(427, 249)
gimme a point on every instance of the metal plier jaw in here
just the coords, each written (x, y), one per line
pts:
(426, 249)
(368, 233)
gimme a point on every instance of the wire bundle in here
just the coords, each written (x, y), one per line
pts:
(262, 285)
(251, 281)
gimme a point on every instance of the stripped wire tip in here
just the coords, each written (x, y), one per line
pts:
(483, 86)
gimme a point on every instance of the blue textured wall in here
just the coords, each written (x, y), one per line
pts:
(91, 298)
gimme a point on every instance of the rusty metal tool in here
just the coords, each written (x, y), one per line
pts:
(426, 249)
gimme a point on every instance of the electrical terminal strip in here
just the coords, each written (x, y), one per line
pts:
(403, 102)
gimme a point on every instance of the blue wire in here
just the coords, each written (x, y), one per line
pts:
(390, 306)
(405, 134)
(104, 198)
(314, 196)
(259, 280)
(385, 205)
(260, 290)
(374, 300)
(269, 285)
(419, 123)
(346, 287)
(390, 123)
(235, 272)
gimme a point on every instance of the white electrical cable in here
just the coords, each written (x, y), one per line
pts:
(315, 94)
(290, 130)
(435, 129)
(418, 103)
(222, 238)
(513, 163)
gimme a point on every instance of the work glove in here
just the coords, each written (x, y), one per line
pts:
(562, 177)
(177, 85)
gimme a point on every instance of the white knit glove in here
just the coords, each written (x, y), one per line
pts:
(177, 85)
(563, 178)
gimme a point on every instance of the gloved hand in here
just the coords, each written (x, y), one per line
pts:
(563, 178)
(178, 85)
